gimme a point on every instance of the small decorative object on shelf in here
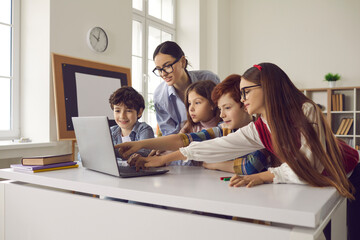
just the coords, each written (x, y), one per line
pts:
(332, 78)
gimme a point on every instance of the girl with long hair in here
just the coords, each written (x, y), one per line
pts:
(293, 128)
(202, 113)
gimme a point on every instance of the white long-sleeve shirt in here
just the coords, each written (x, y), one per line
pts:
(247, 139)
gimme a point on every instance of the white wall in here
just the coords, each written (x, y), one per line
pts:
(61, 26)
(188, 30)
(306, 38)
(35, 70)
(71, 20)
(202, 29)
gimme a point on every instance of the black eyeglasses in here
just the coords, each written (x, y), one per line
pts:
(243, 90)
(168, 69)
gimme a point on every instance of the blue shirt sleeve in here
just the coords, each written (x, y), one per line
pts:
(166, 124)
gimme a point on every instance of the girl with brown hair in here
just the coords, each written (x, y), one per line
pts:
(202, 113)
(294, 129)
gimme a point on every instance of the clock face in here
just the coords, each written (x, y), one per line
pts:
(97, 39)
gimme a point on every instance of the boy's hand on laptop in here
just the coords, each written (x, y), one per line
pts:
(155, 161)
(145, 162)
(137, 160)
(128, 148)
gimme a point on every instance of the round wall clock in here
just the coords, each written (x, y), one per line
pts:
(97, 39)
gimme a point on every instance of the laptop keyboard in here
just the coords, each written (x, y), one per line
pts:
(128, 169)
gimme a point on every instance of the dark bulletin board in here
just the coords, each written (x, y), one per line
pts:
(81, 88)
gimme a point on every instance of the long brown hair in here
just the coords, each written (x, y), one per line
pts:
(287, 121)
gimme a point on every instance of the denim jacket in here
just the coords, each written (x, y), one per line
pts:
(140, 131)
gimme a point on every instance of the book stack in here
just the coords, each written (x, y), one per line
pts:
(337, 102)
(344, 126)
(45, 163)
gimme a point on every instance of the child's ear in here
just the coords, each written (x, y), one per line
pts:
(140, 113)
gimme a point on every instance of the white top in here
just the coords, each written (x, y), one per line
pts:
(126, 139)
(246, 140)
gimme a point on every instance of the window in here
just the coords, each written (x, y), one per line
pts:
(9, 68)
(153, 23)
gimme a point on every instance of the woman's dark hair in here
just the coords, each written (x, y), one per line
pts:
(289, 124)
(129, 97)
(204, 89)
(170, 48)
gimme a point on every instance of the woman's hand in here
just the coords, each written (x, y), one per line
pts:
(128, 148)
(251, 180)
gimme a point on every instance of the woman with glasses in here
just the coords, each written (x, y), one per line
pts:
(169, 96)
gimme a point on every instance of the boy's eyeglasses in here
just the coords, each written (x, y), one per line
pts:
(167, 69)
(243, 90)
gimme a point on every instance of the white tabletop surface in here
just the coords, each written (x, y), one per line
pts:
(196, 188)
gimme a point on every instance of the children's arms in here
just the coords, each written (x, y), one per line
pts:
(155, 161)
(242, 142)
(227, 166)
(252, 163)
(251, 180)
(171, 142)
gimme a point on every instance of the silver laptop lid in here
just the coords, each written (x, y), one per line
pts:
(95, 144)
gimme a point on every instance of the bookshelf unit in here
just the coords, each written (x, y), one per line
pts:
(350, 108)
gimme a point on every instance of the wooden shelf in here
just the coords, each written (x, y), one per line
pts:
(350, 103)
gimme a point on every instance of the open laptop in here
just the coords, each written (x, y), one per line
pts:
(97, 149)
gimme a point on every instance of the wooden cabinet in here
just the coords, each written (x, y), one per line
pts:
(340, 104)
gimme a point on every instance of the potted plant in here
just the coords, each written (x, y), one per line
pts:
(332, 78)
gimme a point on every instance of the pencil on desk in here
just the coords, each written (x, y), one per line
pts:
(222, 178)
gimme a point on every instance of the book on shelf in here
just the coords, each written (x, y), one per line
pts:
(348, 126)
(337, 102)
(341, 126)
(341, 102)
(45, 160)
(43, 168)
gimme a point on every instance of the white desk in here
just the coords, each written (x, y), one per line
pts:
(45, 208)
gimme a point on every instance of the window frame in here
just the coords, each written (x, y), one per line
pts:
(14, 131)
(149, 21)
